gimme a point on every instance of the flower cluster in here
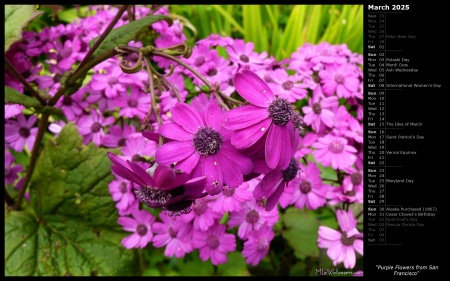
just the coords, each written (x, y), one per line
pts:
(243, 163)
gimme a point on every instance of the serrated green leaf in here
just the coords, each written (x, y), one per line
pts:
(122, 35)
(12, 96)
(194, 266)
(235, 266)
(301, 231)
(16, 18)
(72, 228)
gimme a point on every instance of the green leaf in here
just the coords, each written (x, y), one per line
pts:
(16, 18)
(301, 232)
(72, 227)
(13, 96)
(235, 266)
(194, 266)
(70, 15)
(122, 35)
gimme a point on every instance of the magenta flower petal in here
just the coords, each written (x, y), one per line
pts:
(187, 117)
(268, 184)
(245, 138)
(242, 117)
(232, 175)
(120, 167)
(214, 180)
(188, 164)
(278, 147)
(173, 152)
(174, 132)
(245, 164)
(128, 224)
(163, 175)
(253, 89)
(141, 173)
(273, 199)
(213, 116)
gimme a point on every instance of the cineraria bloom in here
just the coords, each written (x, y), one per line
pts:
(356, 129)
(334, 151)
(122, 193)
(91, 126)
(217, 73)
(201, 59)
(320, 110)
(350, 191)
(340, 79)
(173, 233)
(165, 189)
(72, 105)
(141, 225)
(117, 136)
(288, 87)
(231, 198)
(12, 110)
(20, 133)
(267, 117)
(202, 215)
(168, 98)
(327, 54)
(341, 117)
(113, 82)
(136, 147)
(136, 103)
(242, 53)
(304, 145)
(56, 127)
(258, 244)
(274, 182)
(202, 146)
(342, 244)
(11, 170)
(252, 216)
(214, 243)
(308, 189)
(216, 40)
(64, 56)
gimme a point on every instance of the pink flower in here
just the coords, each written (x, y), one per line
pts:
(202, 215)
(334, 151)
(21, 133)
(122, 193)
(135, 104)
(309, 191)
(340, 79)
(258, 244)
(267, 117)
(342, 244)
(214, 243)
(288, 87)
(141, 225)
(91, 127)
(320, 110)
(230, 199)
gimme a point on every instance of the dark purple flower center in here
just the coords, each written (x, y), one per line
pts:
(252, 217)
(347, 241)
(316, 78)
(112, 81)
(212, 241)
(157, 196)
(336, 146)
(339, 78)
(179, 208)
(136, 158)
(122, 142)
(132, 103)
(317, 109)
(67, 101)
(199, 61)
(356, 178)
(291, 170)
(350, 193)
(172, 233)
(200, 206)
(96, 127)
(141, 229)
(123, 187)
(24, 132)
(262, 245)
(172, 94)
(287, 85)
(207, 141)
(280, 111)
(228, 191)
(212, 72)
(26, 74)
(243, 58)
(297, 121)
(305, 187)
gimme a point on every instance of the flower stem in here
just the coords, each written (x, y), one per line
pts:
(34, 155)
(8, 199)
(22, 80)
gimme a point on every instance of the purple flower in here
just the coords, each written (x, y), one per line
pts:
(308, 189)
(258, 244)
(304, 145)
(342, 244)
(274, 182)
(168, 98)
(202, 215)
(112, 83)
(334, 151)
(252, 216)
(242, 53)
(141, 225)
(287, 86)
(165, 189)
(340, 79)
(117, 136)
(214, 243)
(56, 127)
(91, 126)
(12, 110)
(137, 103)
(122, 193)
(216, 40)
(202, 146)
(320, 110)
(73, 105)
(173, 233)
(230, 199)
(21, 133)
(11, 170)
(267, 116)
(136, 147)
